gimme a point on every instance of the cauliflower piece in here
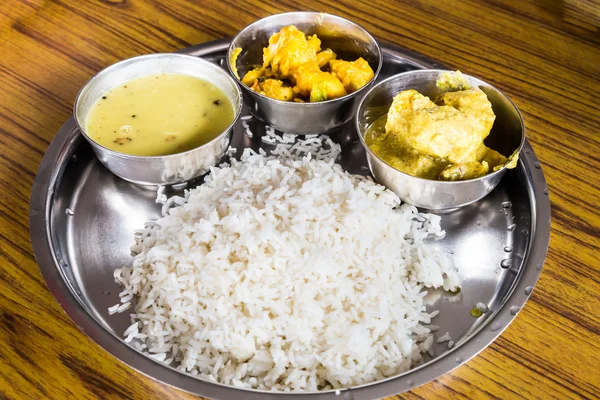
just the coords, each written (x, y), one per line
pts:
(324, 57)
(353, 74)
(252, 76)
(288, 49)
(317, 85)
(273, 88)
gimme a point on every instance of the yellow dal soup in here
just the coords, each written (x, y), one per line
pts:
(157, 115)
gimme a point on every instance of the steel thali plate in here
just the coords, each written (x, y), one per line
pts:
(82, 220)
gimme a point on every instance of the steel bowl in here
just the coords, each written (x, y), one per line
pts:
(344, 37)
(506, 136)
(168, 169)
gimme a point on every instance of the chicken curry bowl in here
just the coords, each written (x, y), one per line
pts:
(296, 68)
(440, 138)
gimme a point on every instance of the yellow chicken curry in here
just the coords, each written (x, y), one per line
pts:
(441, 139)
(296, 69)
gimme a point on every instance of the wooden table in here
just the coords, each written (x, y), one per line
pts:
(544, 54)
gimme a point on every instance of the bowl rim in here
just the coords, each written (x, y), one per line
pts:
(237, 109)
(379, 55)
(420, 71)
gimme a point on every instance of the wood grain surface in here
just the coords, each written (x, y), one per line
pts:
(544, 54)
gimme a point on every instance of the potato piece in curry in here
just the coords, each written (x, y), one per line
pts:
(441, 139)
(295, 69)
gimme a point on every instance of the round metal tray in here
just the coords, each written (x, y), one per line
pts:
(82, 220)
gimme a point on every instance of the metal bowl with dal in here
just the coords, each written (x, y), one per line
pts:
(347, 39)
(506, 136)
(167, 169)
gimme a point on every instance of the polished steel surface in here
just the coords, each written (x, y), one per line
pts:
(159, 170)
(346, 38)
(506, 136)
(82, 220)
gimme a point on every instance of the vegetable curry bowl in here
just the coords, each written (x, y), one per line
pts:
(449, 166)
(304, 72)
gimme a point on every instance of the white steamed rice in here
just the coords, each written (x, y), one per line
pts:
(285, 274)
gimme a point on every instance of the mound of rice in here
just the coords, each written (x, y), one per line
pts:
(285, 274)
